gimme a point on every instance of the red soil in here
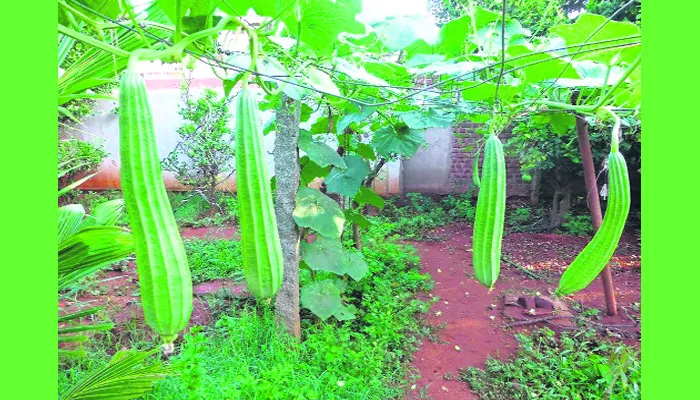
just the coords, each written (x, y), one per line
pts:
(473, 317)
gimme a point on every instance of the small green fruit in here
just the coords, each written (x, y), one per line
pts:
(527, 178)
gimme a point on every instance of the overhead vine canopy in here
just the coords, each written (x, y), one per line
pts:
(317, 50)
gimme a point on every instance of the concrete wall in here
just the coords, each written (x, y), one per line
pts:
(428, 171)
(445, 165)
(164, 98)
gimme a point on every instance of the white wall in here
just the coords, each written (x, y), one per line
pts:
(164, 98)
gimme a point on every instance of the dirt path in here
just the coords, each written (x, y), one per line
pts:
(472, 317)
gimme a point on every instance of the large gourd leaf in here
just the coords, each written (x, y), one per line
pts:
(320, 153)
(322, 298)
(578, 33)
(317, 23)
(348, 181)
(324, 254)
(319, 212)
(402, 141)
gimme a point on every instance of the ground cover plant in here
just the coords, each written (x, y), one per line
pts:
(211, 259)
(574, 365)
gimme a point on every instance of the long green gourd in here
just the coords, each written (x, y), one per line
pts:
(164, 277)
(599, 251)
(490, 213)
(260, 242)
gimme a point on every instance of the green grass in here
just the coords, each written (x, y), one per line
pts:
(214, 259)
(578, 365)
(416, 214)
(194, 211)
(244, 355)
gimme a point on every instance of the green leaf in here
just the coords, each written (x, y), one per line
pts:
(546, 70)
(319, 212)
(349, 119)
(354, 217)
(454, 36)
(90, 250)
(322, 82)
(324, 254)
(480, 91)
(310, 171)
(399, 32)
(322, 298)
(71, 218)
(355, 266)
(561, 123)
(108, 8)
(107, 213)
(392, 73)
(317, 23)
(348, 181)
(357, 73)
(125, 377)
(428, 119)
(318, 152)
(345, 313)
(365, 151)
(175, 8)
(367, 196)
(404, 141)
(578, 33)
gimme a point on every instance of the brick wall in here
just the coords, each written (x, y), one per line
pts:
(463, 139)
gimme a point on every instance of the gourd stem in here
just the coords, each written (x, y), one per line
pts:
(177, 49)
(615, 134)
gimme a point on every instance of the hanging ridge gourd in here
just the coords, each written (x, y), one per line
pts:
(593, 258)
(260, 242)
(164, 277)
(490, 214)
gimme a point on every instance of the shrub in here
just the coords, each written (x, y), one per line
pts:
(577, 225)
(77, 156)
(203, 158)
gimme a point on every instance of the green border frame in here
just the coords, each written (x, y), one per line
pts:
(670, 222)
(28, 203)
(669, 349)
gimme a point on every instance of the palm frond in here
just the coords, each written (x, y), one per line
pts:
(96, 67)
(106, 214)
(124, 377)
(74, 185)
(90, 250)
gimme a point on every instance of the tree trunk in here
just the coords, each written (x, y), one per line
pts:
(367, 182)
(561, 203)
(286, 156)
(535, 187)
(594, 205)
(356, 236)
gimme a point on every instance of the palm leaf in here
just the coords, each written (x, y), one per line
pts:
(79, 314)
(90, 250)
(74, 185)
(70, 220)
(106, 214)
(124, 377)
(96, 67)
